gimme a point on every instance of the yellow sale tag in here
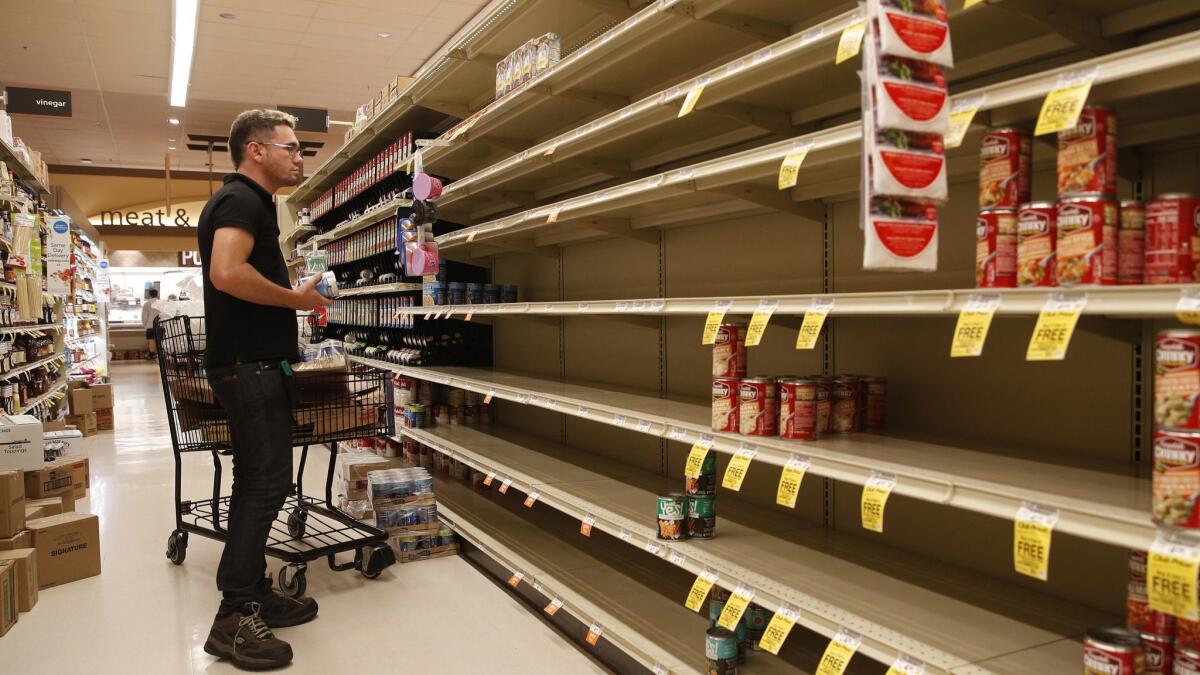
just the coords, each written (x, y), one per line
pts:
(962, 113)
(814, 320)
(906, 665)
(594, 633)
(1188, 309)
(851, 42)
(700, 588)
(789, 171)
(515, 579)
(1054, 328)
(505, 485)
(973, 323)
(689, 103)
(971, 3)
(695, 460)
(585, 525)
(554, 606)
(490, 477)
(1171, 571)
(713, 323)
(778, 629)
(735, 607)
(531, 498)
(1031, 540)
(874, 498)
(837, 655)
(790, 479)
(758, 322)
(735, 473)
(1060, 110)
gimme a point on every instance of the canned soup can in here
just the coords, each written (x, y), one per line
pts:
(721, 651)
(1176, 482)
(725, 404)
(1131, 243)
(1158, 653)
(1087, 240)
(759, 406)
(845, 405)
(996, 248)
(1177, 380)
(1087, 153)
(1171, 246)
(1005, 162)
(672, 511)
(1113, 651)
(798, 408)
(1187, 660)
(1037, 241)
(706, 482)
(702, 516)
(729, 351)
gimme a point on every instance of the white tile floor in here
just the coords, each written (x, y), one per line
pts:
(145, 615)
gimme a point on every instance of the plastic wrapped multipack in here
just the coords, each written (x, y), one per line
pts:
(909, 94)
(907, 164)
(901, 234)
(915, 29)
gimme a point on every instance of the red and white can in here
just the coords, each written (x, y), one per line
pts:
(729, 351)
(798, 408)
(1159, 653)
(824, 406)
(1171, 246)
(1005, 168)
(1137, 565)
(1140, 617)
(1087, 153)
(845, 405)
(1037, 241)
(759, 407)
(725, 404)
(1177, 380)
(1131, 243)
(1187, 660)
(996, 248)
(1176, 481)
(1187, 634)
(876, 403)
(1113, 651)
(1087, 240)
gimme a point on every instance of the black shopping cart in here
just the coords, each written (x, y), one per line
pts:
(331, 407)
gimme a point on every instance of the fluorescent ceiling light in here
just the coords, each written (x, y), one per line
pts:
(183, 46)
(170, 147)
(173, 120)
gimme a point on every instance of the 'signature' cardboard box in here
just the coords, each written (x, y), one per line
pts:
(68, 548)
(22, 539)
(8, 595)
(27, 581)
(20, 442)
(12, 503)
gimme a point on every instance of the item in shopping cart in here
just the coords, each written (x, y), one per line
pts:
(702, 516)
(911, 95)
(1005, 168)
(1087, 240)
(876, 403)
(1087, 153)
(1177, 380)
(996, 248)
(900, 234)
(706, 482)
(845, 404)
(729, 350)
(1159, 652)
(721, 651)
(1176, 483)
(907, 164)
(1113, 651)
(1131, 243)
(798, 408)
(758, 405)
(1037, 242)
(1140, 617)
(672, 514)
(1171, 239)
(725, 404)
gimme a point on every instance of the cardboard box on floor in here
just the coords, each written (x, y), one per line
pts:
(27, 580)
(12, 503)
(68, 548)
(63, 502)
(8, 595)
(54, 425)
(102, 397)
(48, 481)
(81, 474)
(20, 442)
(85, 423)
(22, 539)
(81, 401)
(104, 419)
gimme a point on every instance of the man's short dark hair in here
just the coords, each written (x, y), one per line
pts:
(254, 125)
(153, 293)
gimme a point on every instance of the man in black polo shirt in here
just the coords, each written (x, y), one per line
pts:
(250, 311)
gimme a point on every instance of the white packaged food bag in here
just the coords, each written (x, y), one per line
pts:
(917, 29)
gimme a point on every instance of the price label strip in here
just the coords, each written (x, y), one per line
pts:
(713, 323)
(778, 629)
(586, 525)
(874, 498)
(814, 320)
(790, 479)
(652, 548)
(906, 665)
(758, 322)
(643, 426)
(735, 607)
(973, 323)
(851, 42)
(837, 655)
(594, 633)
(1060, 110)
(735, 473)
(1055, 325)
(531, 498)
(555, 605)
(962, 113)
(689, 103)
(700, 588)
(789, 171)
(695, 460)
(676, 558)
(1031, 540)
(1188, 308)
(1172, 567)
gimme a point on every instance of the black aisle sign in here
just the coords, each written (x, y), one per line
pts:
(308, 119)
(39, 102)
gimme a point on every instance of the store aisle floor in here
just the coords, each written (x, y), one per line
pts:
(145, 615)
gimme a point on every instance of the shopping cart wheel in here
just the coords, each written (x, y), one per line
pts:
(376, 559)
(293, 580)
(177, 547)
(297, 522)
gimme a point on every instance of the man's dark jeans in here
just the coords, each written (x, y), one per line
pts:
(257, 401)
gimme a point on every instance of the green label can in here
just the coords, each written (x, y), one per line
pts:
(672, 516)
(702, 516)
(721, 650)
(706, 483)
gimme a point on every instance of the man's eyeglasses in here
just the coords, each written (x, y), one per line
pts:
(293, 150)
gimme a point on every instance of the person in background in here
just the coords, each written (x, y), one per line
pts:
(250, 310)
(149, 313)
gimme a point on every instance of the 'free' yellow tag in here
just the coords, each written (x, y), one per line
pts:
(973, 323)
(1060, 110)
(1172, 567)
(689, 103)
(837, 655)
(790, 479)
(814, 320)
(1055, 325)
(700, 588)
(735, 607)
(874, 498)
(1031, 540)
(695, 460)
(758, 322)
(851, 41)
(735, 473)
(1188, 309)
(906, 665)
(789, 171)
(713, 323)
(962, 113)
(778, 629)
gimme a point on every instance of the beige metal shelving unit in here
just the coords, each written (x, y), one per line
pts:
(21, 169)
(623, 223)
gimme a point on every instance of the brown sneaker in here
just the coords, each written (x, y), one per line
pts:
(247, 642)
(281, 611)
